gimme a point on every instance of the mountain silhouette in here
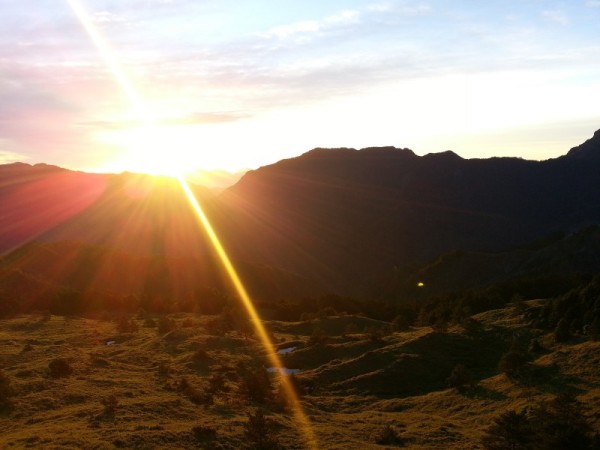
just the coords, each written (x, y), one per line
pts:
(344, 215)
(331, 219)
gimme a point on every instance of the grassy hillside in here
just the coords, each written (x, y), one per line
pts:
(362, 382)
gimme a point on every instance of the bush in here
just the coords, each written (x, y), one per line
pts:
(562, 331)
(200, 355)
(110, 405)
(166, 324)
(256, 386)
(204, 433)
(163, 369)
(260, 433)
(389, 435)
(535, 346)
(216, 383)
(375, 334)
(513, 363)
(400, 323)
(60, 368)
(193, 394)
(460, 378)
(318, 337)
(471, 325)
(594, 330)
(559, 424)
(510, 431)
(126, 325)
(6, 391)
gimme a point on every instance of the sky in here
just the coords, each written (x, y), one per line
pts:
(174, 85)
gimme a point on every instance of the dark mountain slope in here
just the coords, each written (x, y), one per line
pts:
(36, 199)
(341, 218)
(342, 215)
(93, 270)
(564, 256)
(118, 234)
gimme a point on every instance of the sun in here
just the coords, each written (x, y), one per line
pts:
(153, 148)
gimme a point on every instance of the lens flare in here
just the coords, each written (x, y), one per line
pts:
(106, 54)
(299, 415)
(123, 81)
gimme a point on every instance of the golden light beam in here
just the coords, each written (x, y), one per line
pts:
(106, 54)
(289, 390)
(129, 90)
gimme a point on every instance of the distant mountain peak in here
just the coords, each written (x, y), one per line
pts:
(326, 152)
(367, 151)
(589, 150)
(448, 155)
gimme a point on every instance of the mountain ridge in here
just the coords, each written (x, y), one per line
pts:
(382, 207)
(339, 217)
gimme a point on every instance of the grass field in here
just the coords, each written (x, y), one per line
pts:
(184, 388)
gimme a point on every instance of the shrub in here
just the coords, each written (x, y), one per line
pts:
(562, 331)
(188, 323)
(200, 355)
(351, 328)
(216, 327)
(27, 348)
(471, 325)
(260, 433)
(513, 363)
(204, 433)
(110, 405)
(98, 361)
(193, 394)
(328, 311)
(560, 424)
(460, 378)
(256, 386)
(60, 368)
(389, 435)
(535, 346)
(510, 431)
(400, 323)
(166, 324)
(126, 325)
(6, 391)
(375, 334)
(594, 330)
(216, 383)
(318, 337)
(163, 369)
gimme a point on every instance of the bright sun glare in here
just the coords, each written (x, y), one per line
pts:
(153, 148)
(150, 148)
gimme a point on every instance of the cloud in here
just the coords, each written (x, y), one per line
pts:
(342, 19)
(201, 118)
(592, 3)
(556, 16)
(347, 18)
(105, 17)
(403, 9)
(194, 118)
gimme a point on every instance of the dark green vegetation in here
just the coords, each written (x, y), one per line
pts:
(557, 424)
